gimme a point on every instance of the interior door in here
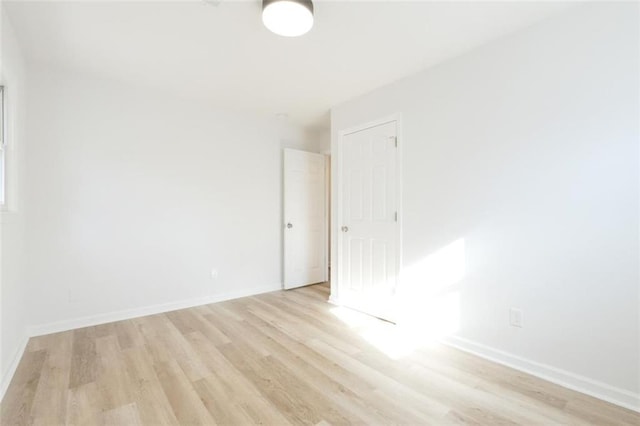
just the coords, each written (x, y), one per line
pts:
(368, 213)
(305, 214)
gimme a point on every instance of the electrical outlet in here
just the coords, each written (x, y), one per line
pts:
(214, 273)
(515, 317)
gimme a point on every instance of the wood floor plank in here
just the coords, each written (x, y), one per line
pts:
(123, 415)
(308, 396)
(128, 334)
(188, 321)
(151, 401)
(378, 405)
(241, 393)
(453, 393)
(282, 358)
(356, 398)
(228, 407)
(50, 403)
(298, 402)
(303, 330)
(166, 344)
(83, 405)
(221, 406)
(104, 330)
(16, 406)
(310, 356)
(290, 402)
(185, 402)
(498, 386)
(484, 417)
(112, 378)
(595, 411)
(430, 409)
(83, 357)
(48, 341)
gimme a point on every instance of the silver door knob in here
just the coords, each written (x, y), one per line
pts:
(345, 229)
(289, 225)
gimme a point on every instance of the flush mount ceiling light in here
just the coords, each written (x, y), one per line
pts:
(289, 18)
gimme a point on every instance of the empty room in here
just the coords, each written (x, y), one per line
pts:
(312, 212)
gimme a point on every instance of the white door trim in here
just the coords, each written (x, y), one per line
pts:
(336, 197)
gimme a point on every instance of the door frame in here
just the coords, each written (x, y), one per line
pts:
(337, 145)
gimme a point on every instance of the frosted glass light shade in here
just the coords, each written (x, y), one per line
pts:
(289, 18)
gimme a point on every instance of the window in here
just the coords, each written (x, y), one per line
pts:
(3, 150)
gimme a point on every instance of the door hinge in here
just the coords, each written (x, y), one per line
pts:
(395, 141)
(395, 216)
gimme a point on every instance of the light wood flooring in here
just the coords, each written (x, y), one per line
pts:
(279, 358)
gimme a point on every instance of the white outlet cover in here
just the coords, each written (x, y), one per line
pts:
(515, 317)
(214, 273)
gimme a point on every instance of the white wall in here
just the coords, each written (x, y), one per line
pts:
(12, 217)
(525, 151)
(320, 139)
(136, 196)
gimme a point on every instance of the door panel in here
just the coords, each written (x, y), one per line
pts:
(368, 237)
(305, 230)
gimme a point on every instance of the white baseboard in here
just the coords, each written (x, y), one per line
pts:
(8, 375)
(71, 324)
(555, 375)
(334, 301)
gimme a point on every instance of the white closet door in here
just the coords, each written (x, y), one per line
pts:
(305, 217)
(368, 229)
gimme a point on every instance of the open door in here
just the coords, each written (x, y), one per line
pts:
(305, 219)
(368, 237)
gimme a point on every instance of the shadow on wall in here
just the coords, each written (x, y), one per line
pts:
(427, 305)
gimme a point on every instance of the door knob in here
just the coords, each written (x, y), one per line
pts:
(345, 229)
(289, 225)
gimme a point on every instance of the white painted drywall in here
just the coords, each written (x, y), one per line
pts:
(321, 139)
(521, 190)
(135, 196)
(13, 317)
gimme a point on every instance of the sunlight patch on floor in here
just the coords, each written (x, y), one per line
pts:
(426, 305)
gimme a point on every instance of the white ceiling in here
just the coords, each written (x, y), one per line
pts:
(223, 54)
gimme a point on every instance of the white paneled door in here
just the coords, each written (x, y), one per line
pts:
(368, 214)
(305, 219)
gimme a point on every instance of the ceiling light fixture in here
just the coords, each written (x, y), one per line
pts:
(289, 18)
